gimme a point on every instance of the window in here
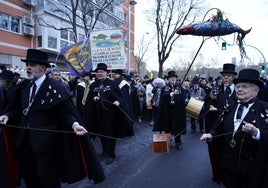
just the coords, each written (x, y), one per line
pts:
(72, 36)
(15, 24)
(64, 34)
(9, 23)
(39, 41)
(81, 37)
(66, 38)
(3, 21)
(52, 42)
(63, 44)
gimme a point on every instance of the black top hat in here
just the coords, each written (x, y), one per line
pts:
(195, 80)
(101, 66)
(37, 56)
(7, 75)
(87, 74)
(16, 74)
(249, 75)
(129, 77)
(229, 68)
(2, 68)
(210, 79)
(118, 71)
(172, 73)
(146, 77)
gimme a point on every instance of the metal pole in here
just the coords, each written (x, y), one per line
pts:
(264, 61)
(204, 39)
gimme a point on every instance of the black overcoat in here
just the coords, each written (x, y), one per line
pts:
(171, 117)
(53, 110)
(249, 157)
(110, 93)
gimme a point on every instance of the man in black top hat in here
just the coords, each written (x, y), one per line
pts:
(223, 96)
(82, 90)
(244, 127)
(5, 176)
(104, 114)
(41, 107)
(119, 78)
(6, 81)
(171, 114)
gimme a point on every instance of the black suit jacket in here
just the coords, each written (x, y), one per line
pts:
(94, 109)
(49, 111)
(221, 99)
(171, 117)
(53, 109)
(246, 158)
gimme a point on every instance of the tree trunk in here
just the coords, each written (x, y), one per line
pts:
(160, 70)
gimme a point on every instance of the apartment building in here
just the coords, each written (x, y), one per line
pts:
(22, 27)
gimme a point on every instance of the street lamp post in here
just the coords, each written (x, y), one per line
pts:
(264, 60)
(131, 2)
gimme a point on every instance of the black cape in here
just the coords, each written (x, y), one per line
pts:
(78, 157)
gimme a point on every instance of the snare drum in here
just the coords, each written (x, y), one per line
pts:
(194, 107)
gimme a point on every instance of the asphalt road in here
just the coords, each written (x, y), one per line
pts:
(136, 165)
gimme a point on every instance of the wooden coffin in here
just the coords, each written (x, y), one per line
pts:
(161, 143)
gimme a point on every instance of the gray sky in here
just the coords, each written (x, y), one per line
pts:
(244, 13)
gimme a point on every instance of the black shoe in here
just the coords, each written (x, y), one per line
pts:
(102, 155)
(109, 160)
(178, 146)
(216, 180)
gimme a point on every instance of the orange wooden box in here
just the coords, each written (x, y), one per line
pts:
(161, 142)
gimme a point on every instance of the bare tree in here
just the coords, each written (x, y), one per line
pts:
(87, 12)
(168, 16)
(141, 51)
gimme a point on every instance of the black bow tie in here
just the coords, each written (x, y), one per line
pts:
(244, 104)
(247, 103)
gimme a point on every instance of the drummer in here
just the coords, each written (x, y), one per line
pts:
(198, 93)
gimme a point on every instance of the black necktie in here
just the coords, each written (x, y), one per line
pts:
(241, 108)
(33, 85)
(227, 92)
(240, 111)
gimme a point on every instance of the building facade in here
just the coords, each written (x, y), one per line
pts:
(39, 24)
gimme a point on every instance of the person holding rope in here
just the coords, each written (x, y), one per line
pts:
(171, 114)
(220, 97)
(105, 112)
(42, 109)
(8, 170)
(244, 127)
(120, 79)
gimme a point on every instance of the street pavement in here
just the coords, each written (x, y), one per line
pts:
(136, 165)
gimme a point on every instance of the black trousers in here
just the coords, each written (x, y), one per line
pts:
(235, 180)
(201, 123)
(38, 169)
(106, 119)
(4, 169)
(215, 150)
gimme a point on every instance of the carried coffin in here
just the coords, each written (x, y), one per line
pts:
(161, 143)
